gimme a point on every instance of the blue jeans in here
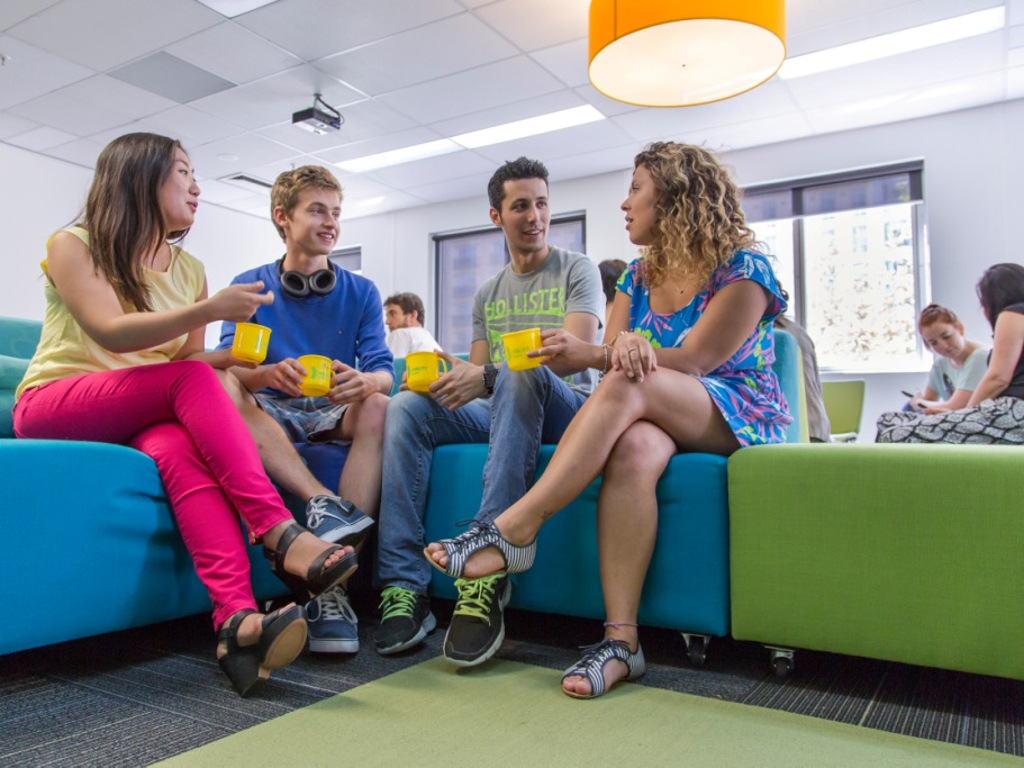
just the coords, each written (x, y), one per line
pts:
(528, 408)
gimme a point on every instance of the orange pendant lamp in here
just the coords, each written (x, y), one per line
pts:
(678, 53)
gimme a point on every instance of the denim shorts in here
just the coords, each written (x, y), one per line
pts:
(304, 419)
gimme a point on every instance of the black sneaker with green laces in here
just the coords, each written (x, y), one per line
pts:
(404, 621)
(478, 622)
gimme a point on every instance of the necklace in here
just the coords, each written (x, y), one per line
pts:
(676, 284)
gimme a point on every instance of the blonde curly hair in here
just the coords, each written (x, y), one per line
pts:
(700, 223)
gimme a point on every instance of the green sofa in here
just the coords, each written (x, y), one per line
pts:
(909, 553)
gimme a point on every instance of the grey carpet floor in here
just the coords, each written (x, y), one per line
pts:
(134, 697)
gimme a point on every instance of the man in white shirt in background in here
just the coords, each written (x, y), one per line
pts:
(404, 316)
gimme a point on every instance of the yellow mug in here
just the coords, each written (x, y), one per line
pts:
(317, 381)
(423, 369)
(251, 342)
(517, 344)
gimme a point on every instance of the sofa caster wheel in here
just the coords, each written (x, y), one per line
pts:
(782, 662)
(696, 647)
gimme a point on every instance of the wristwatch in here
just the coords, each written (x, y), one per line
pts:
(490, 375)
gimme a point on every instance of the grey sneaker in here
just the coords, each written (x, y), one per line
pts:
(336, 521)
(478, 623)
(404, 621)
(333, 626)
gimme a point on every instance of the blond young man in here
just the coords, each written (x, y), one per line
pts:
(320, 309)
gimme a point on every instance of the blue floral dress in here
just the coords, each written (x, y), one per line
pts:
(744, 388)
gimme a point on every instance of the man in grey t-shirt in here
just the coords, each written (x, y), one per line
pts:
(543, 286)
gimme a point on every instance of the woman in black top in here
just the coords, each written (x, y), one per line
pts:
(995, 412)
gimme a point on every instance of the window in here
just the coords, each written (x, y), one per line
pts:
(350, 258)
(850, 250)
(464, 260)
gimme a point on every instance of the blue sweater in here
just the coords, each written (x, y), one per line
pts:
(346, 325)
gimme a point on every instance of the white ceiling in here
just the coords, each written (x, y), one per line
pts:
(404, 72)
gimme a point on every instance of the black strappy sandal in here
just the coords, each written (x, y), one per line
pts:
(282, 639)
(318, 577)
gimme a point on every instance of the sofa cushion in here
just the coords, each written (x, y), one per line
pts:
(12, 369)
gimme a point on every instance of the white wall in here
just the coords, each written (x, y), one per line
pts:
(973, 164)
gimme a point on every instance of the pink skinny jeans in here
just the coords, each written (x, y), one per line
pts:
(179, 414)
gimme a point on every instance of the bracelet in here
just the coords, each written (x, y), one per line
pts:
(605, 369)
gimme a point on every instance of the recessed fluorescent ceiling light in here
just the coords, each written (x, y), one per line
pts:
(904, 41)
(232, 8)
(399, 156)
(532, 126)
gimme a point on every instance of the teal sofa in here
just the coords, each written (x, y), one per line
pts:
(122, 562)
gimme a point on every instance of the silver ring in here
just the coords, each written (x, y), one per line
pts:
(631, 350)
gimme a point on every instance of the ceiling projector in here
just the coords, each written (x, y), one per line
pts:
(319, 119)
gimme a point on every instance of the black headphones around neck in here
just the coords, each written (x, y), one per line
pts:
(296, 284)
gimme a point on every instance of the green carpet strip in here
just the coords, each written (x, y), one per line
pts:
(510, 714)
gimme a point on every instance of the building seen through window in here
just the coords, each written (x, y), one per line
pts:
(851, 252)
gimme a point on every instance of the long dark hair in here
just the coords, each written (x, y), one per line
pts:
(1000, 286)
(122, 211)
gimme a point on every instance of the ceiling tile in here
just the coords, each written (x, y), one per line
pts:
(1015, 83)
(70, 115)
(605, 160)
(1015, 12)
(190, 126)
(481, 88)
(371, 206)
(12, 125)
(313, 29)
(568, 62)
(270, 171)
(234, 53)
(82, 152)
(171, 77)
(914, 102)
(442, 48)
(12, 13)
(117, 97)
(441, 190)
(767, 130)
(31, 72)
(41, 138)
(535, 24)
(274, 99)
(59, 29)
(220, 158)
(605, 105)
